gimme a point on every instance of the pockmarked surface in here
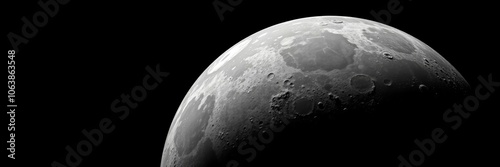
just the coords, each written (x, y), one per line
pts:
(310, 77)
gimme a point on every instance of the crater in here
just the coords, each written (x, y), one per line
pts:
(362, 83)
(303, 106)
(326, 52)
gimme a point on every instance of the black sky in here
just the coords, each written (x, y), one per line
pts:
(90, 53)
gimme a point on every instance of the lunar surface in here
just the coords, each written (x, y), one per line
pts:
(317, 91)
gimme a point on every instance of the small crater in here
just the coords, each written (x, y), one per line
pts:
(337, 21)
(331, 96)
(287, 41)
(321, 106)
(335, 99)
(286, 82)
(387, 82)
(423, 88)
(388, 55)
(270, 76)
(323, 23)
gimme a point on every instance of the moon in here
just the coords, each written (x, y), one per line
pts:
(326, 89)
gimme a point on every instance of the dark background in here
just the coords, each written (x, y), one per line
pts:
(93, 51)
